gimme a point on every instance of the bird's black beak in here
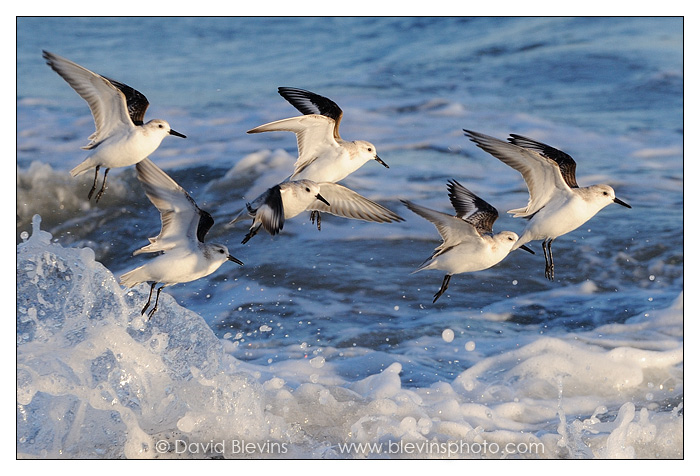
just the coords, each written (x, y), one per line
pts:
(525, 248)
(620, 202)
(323, 199)
(376, 157)
(176, 133)
(234, 259)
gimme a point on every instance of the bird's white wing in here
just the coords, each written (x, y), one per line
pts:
(349, 204)
(542, 175)
(314, 136)
(107, 103)
(182, 222)
(452, 229)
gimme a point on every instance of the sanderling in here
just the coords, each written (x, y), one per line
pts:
(121, 138)
(277, 204)
(183, 227)
(323, 155)
(557, 205)
(288, 199)
(468, 241)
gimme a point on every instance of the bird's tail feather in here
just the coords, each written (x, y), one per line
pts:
(81, 168)
(241, 215)
(133, 277)
(519, 212)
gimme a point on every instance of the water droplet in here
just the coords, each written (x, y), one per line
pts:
(448, 335)
(317, 362)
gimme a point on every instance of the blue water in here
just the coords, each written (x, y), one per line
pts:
(608, 91)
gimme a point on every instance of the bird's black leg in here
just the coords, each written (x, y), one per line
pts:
(551, 260)
(443, 288)
(251, 233)
(104, 186)
(149, 299)
(94, 183)
(155, 306)
(316, 218)
(548, 261)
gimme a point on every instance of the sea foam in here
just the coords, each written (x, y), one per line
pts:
(96, 379)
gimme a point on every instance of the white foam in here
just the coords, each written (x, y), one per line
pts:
(95, 380)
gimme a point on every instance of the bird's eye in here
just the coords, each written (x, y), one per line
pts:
(160, 126)
(605, 193)
(369, 149)
(308, 189)
(221, 251)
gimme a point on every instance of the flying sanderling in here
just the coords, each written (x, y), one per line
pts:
(277, 204)
(323, 155)
(557, 205)
(288, 199)
(121, 138)
(186, 257)
(469, 243)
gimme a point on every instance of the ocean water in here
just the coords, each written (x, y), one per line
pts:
(325, 345)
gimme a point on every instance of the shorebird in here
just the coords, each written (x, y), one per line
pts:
(277, 204)
(469, 243)
(323, 155)
(185, 256)
(288, 199)
(557, 205)
(121, 138)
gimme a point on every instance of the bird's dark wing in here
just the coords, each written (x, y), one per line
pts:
(136, 102)
(471, 208)
(566, 163)
(205, 223)
(307, 102)
(311, 103)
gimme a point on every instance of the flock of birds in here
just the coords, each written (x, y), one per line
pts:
(556, 206)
